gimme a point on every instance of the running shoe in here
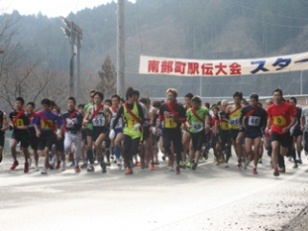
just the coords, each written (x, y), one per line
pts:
(300, 161)
(182, 164)
(90, 168)
(282, 170)
(254, 171)
(221, 160)
(295, 166)
(104, 168)
(164, 158)
(26, 169)
(44, 171)
(194, 167)
(152, 167)
(84, 165)
(129, 171)
(226, 165)
(14, 165)
(276, 172)
(260, 161)
(77, 169)
(37, 168)
(188, 164)
(177, 170)
(119, 165)
(108, 163)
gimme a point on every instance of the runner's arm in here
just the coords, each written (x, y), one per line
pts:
(87, 116)
(36, 123)
(243, 113)
(207, 121)
(5, 124)
(187, 123)
(263, 121)
(109, 115)
(26, 124)
(303, 121)
(141, 114)
(78, 125)
(268, 124)
(293, 122)
(116, 119)
(182, 115)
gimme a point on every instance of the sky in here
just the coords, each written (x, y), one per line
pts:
(51, 8)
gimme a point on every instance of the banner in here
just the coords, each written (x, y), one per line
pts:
(215, 68)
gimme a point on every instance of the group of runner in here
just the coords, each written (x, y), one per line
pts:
(131, 132)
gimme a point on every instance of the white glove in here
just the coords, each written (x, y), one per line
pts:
(112, 134)
(58, 133)
(153, 129)
(137, 126)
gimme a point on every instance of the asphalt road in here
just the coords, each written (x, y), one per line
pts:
(211, 198)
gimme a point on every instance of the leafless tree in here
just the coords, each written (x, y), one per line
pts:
(107, 76)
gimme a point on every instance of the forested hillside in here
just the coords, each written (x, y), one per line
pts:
(203, 29)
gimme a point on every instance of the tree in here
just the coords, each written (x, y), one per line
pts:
(107, 78)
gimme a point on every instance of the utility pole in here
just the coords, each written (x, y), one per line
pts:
(74, 33)
(120, 50)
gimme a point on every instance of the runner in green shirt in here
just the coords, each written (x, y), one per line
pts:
(198, 119)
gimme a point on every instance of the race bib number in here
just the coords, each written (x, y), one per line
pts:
(235, 121)
(99, 121)
(19, 123)
(170, 123)
(45, 126)
(253, 121)
(196, 126)
(279, 121)
(71, 123)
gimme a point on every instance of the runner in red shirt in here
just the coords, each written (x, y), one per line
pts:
(281, 117)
